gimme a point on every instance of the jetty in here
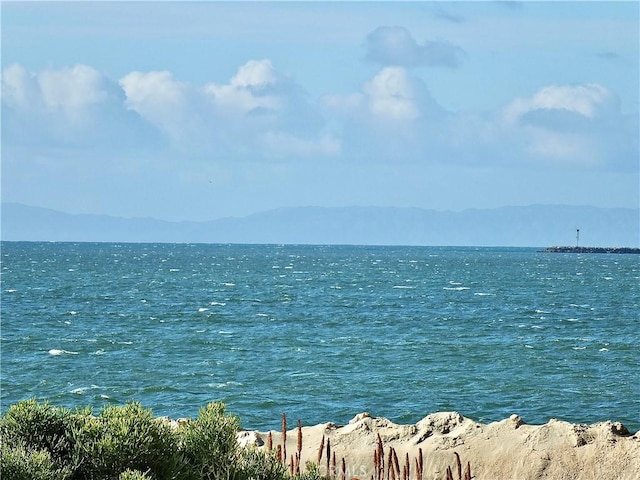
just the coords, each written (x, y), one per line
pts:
(576, 249)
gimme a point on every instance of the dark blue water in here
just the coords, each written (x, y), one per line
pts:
(323, 332)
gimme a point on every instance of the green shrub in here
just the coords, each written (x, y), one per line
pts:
(40, 442)
(20, 463)
(133, 475)
(208, 444)
(38, 426)
(312, 472)
(253, 464)
(120, 439)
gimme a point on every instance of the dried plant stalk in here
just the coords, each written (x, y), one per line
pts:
(420, 464)
(328, 454)
(407, 465)
(321, 450)
(467, 472)
(299, 437)
(333, 465)
(270, 442)
(343, 470)
(449, 474)
(458, 465)
(279, 453)
(396, 464)
(284, 436)
(380, 459)
(375, 465)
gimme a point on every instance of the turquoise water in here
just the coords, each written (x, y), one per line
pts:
(323, 332)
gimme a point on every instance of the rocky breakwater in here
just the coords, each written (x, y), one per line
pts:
(591, 250)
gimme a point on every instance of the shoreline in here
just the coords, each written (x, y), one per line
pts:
(506, 449)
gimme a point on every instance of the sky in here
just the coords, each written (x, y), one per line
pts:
(203, 110)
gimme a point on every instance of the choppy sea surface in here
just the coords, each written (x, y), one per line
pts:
(323, 332)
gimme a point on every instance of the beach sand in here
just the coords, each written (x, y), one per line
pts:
(508, 449)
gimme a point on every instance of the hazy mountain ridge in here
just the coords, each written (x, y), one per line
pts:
(534, 225)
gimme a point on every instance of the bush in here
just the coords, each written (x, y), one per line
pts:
(120, 439)
(253, 464)
(40, 442)
(19, 463)
(38, 427)
(133, 475)
(208, 444)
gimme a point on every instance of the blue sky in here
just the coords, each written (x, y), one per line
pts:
(201, 110)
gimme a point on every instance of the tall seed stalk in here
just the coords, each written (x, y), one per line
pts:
(284, 437)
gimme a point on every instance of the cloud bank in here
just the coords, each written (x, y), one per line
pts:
(262, 114)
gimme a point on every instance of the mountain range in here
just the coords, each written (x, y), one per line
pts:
(531, 226)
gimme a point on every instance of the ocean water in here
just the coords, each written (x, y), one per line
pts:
(323, 332)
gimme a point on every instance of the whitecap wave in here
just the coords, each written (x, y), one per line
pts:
(57, 352)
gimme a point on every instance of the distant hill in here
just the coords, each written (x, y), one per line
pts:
(534, 226)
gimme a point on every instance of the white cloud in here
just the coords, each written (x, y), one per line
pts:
(72, 92)
(253, 87)
(256, 75)
(258, 113)
(70, 107)
(19, 87)
(262, 114)
(396, 46)
(393, 116)
(570, 125)
(393, 94)
(161, 100)
(589, 101)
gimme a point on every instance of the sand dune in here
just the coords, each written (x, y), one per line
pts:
(509, 449)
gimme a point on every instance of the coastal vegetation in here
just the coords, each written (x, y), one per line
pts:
(127, 442)
(43, 442)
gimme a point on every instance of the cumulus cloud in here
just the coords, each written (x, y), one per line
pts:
(164, 102)
(261, 114)
(588, 101)
(19, 88)
(256, 87)
(71, 91)
(572, 125)
(393, 115)
(396, 46)
(392, 95)
(258, 113)
(75, 105)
